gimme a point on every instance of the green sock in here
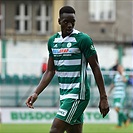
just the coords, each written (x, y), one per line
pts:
(120, 118)
(124, 117)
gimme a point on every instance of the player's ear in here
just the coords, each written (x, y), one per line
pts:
(59, 21)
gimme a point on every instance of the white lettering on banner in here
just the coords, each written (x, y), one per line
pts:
(21, 115)
(46, 115)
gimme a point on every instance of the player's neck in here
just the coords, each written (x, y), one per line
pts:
(65, 34)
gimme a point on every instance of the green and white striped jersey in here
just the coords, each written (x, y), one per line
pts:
(119, 86)
(70, 59)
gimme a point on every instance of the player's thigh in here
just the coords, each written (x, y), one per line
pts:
(118, 102)
(77, 128)
(58, 126)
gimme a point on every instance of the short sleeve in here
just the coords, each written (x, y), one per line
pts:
(87, 46)
(49, 47)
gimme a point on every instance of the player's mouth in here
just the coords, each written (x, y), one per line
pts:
(69, 31)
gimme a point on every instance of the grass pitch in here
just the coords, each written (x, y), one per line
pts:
(44, 128)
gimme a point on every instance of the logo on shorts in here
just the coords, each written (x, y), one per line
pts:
(62, 112)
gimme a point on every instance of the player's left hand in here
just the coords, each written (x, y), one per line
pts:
(104, 106)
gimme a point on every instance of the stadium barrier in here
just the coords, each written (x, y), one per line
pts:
(16, 90)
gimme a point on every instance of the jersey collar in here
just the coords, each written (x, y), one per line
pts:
(74, 32)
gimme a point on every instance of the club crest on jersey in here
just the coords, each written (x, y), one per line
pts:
(69, 45)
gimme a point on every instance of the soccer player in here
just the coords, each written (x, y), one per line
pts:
(69, 53)
(119, 86)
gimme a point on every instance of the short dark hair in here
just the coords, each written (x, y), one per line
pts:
(66, 9)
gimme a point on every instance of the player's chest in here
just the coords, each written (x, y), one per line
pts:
(65, 48)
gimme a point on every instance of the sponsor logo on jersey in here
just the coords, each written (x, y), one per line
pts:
(59, 51)
(64, 50)
(55, 51)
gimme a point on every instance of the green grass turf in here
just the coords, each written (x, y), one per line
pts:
(44, 128)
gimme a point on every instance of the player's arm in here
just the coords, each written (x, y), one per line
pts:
(47, 77)
(124, 78)
(45, 80)
(93, 61)
(111, 88)
(103, 105)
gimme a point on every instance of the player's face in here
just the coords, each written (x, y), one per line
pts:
(67, 23)
(120, 69)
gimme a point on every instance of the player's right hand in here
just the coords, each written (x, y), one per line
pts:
(31, 100)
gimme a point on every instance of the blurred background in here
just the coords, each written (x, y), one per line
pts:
(26, 25)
